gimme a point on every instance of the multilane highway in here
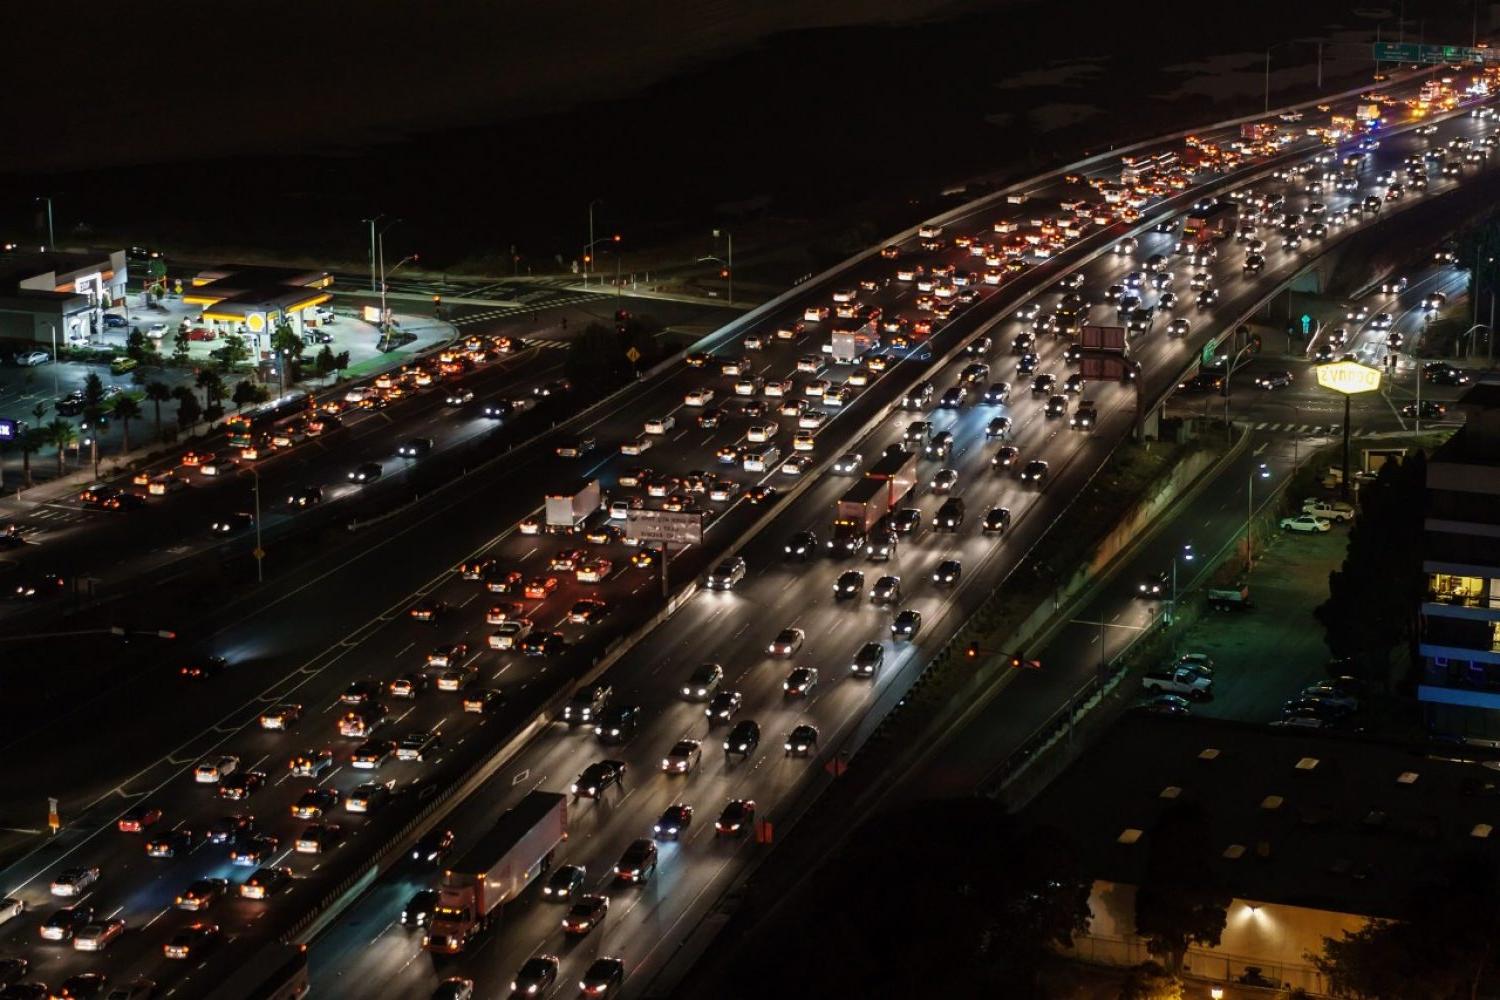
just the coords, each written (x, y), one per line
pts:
(735, 626)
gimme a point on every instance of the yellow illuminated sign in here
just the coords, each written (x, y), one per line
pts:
(1348, 377)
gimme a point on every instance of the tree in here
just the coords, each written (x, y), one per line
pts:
(136, 346)
(189, 410)
(1373, 598)
(180, 346)
(39, 412)
(126, 409)
(1177, 905)
(1149, 981)
(596, 360)
(62, 436)
(1442, 947)
(212, 412)
(234, 353)
(247, 393)
(93, 391)
(31, 440)
(286, 342)
(211, 383)
(158, 393)
(340, 362)
(323, 363)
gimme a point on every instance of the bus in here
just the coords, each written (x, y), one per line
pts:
(247, 426)
(275, 972)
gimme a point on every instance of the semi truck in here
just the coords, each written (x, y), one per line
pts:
(1215, 222)
(496, 870)
(858, 511)
(848, 345)
(1092, 337)
(566, 512)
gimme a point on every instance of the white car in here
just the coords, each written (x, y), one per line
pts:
(701, 396)
(29, 359)
(796, 465)
(1305, 523)
(760, 433)
(73, 881)
(211, 772)
(1328, 510)
(157, 331)
(1179, 680)
(660, 425)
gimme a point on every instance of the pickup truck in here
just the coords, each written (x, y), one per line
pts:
(1179, 680)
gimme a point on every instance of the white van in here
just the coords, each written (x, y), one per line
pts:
(762, 459)
(661, 425)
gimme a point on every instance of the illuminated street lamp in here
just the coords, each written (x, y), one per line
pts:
(1348, 378)
(1262, 471)
(1187, 556)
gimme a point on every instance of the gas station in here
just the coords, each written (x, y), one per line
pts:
(254, 301)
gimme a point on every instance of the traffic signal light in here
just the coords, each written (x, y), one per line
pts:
(617, 237)
(437, 300)
(1255, 343)
(972, 651)
(1015, 662)
(723, 272)
(587, 258)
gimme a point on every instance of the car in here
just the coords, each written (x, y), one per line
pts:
(280, 717)
(943, 481)
(685, 756)
(849, 464)
(74, 881)
(587, 912)
(231, 829)
(996, 520)
(318, 838)
(137, 818)
(241, 785)
(1035, 471)
(250, 851)
(787, 642)
(62, 924)
(428, 611)
(192, 941)
(947, 572)
(722, 706)
(1154, 585)
(673, 821)
(417, 745)
(30, 359)
(564, 883)
(365, 472)
(801, 741)
(597, 777)
(454, 988)
(743, 738)
(98, 935)
(801, 545)
(1328, 510)
(604, 977)
(906, 624)
(433, 846)
(703, 682)
(418, 909)
(265, 883)
(174, 843)
(800, 682)
(367, 798)
(1304, 524)
(1428, 410)
(887, 590)
(1167, 704)
(415, 447)
(849, 585)
(535, 977)
(737, 817)
(539, 588)
(1274, 380)
(314, 803)
(638, 863)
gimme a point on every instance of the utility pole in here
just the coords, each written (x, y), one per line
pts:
(51, 238)
(260, 553)
(373, 285)
(587, 261)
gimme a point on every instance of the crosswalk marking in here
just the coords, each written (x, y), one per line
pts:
(507, 311)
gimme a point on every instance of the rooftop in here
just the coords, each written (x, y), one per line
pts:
(1332, 822)
(1478, 441)
(19, 265)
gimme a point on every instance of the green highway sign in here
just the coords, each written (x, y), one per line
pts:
(1410, 52)
(1211, 349)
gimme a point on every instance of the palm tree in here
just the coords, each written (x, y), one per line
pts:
(32, 439)
(211, 383)
(61, 435)
(126, 409)
(158, 393)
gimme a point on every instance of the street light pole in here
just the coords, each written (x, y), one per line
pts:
(260, 553)
(373, 285)
(1264, 471)
(587, 263)
(729, 262)
(51, 239)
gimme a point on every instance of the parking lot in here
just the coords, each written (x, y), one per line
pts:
(1267, 654)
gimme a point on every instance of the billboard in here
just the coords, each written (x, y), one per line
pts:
(667, 526)
(1348, 377)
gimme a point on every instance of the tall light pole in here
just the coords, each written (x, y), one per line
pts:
(380, 251)
(729, 267)
(1262, 471)
(260, 553)
(51, 239)
(1187, 556)
(587, 270)
(384, 315)
(53, 328)
(373, 285)
(588, 253)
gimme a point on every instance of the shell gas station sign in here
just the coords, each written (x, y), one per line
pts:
(1348, 377)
